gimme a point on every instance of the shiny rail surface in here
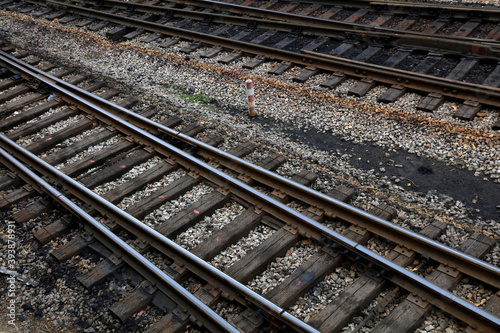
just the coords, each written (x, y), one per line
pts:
(133, 258)
(330, 23)
(111, 114)
(485, 95)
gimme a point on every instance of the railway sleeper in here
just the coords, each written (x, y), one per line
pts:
(47, 233)
(435, 26)
(334, 80)
(271, 162)
(242, 224)
(134, 301)
(168, 42)
(280, 68)
(192, 214)
(9, 108)
(468, 110)
(306, 73)
(249, 321)
(301, 280)
(358, 295)
(72, 248)
(9, 180)
(254, 62)
(116, 169)
(181, 185)
(229, 234)
(101, 271)
(362, 87)
(409, 314)
(9, 82)
(231, 57)
(147, 177)
(85, 22)
(190, 48)
(492, 306)
(98, 158)
(431, 102)
(304, 278)
(56, 15)
(209, 295)
(13, 93)
(69, 18)
(62, 154)
(99, 25)
(41, 12)
(256, 261)
(30, 114)
(31, 128)
(173, 322)
(17, 195)
(210, 52)
(32, 211)
(6, 2)
(118, 32)
(392, 94)
(15, 6)
(51, 140)
(34, 127)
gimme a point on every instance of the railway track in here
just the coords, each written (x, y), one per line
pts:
(446, 53)
(263, 200)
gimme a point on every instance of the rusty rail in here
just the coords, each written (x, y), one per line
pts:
(469, 265)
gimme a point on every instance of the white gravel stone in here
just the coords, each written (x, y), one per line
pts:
(89, 151)
(151, 189)
(202, 230)
(238, 250)
(281, 268)
(134, 172)
(169, 209)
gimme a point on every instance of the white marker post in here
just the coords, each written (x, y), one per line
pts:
(251, 98)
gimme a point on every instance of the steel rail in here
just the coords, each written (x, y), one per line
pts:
(134, 259)
(469, 265)
(332, 207)
(309, 20)
(323, 27)
(454, 89)
(417, 4)
(366, 3)
(410, 281)
(471, 10)
(130, 255)
(136, 227)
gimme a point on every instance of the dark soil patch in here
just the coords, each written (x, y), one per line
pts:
(425, 174)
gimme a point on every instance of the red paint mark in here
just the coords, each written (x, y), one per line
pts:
(48, 139)
(123, 166)
(162, 196)
(196, 212)
(92, 161)
(299, 283)
(218, 239)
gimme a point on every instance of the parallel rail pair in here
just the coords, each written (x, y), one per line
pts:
(484, 94)
(143, 130)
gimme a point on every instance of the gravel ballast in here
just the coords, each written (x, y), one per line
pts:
(429, 166)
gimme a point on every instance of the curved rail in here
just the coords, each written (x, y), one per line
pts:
(412, 282)
(335, 208)
(320, 22)
(421, 82)
(153, 237)
(133, 258)
(281, 21)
